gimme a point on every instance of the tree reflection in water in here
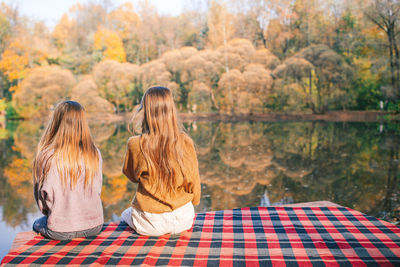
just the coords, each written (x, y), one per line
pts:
(241, 164)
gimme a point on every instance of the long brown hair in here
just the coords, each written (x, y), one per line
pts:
(163, 140)
(67, 142)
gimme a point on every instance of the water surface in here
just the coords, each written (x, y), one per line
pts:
(242, 164)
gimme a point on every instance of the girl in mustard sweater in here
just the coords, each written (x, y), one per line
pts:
(163, 161)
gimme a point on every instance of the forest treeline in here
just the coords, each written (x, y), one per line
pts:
(238, 56)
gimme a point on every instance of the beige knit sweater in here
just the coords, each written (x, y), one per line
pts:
(70, 210)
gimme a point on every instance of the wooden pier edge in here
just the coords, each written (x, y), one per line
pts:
(24, 237)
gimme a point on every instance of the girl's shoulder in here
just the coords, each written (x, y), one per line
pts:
(188, 142)
(133, 141)
(99, 154)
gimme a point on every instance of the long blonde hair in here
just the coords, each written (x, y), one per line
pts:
(67, 142)
(162, 140)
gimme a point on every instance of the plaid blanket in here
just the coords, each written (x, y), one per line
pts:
(261, 236)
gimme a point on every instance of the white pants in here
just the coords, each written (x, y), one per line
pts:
(156, 224)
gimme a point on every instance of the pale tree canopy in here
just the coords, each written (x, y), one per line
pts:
(87, 94)
(118, 83)
(42, 89)
(321, 73)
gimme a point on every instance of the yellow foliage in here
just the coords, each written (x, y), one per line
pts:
(3, 134)
(19, 176)
(125, 20)
(14, 64)
(110, 43)
(63, 30)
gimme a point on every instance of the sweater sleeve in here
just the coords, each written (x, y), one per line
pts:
(36, 192)
(195, 176)
(129, 168)
(100, 174)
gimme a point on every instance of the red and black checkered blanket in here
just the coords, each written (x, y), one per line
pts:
(262, 236)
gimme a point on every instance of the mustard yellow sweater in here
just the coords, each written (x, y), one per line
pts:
(146, 198)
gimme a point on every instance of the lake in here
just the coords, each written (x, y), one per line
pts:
(242, 164)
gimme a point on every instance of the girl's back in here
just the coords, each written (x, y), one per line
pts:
(67, 176)
(163, 161)
(72, 209)
(148, 198)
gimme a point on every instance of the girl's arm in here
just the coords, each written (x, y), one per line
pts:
(195, 176)
(129, 168)
(36, 192)
(196, 186)
(41, 196)
(99, 174)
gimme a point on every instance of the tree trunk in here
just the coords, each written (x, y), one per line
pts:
(392, 75)
(310, 92)
(214, 102)
(319, 98)
(117, 106)
(397, 65)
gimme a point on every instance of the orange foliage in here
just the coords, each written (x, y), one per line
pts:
(114, 190)
(110, 44)
(14, 62)
(62, 31)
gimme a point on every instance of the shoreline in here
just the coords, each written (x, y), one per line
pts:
(330, 116)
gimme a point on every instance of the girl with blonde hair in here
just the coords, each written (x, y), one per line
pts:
(67, 175)
(163, 161)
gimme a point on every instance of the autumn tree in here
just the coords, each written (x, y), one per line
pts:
(87, 19)
(126, 23)
(24, 50)
(246, 21)
(109, 44)
(87, 94)
(174, 63)
(236, 54)
(41, 90)
(149, 32)
(118, 83)
(258, 81)
(266, 58)
(62, 32)
(307, 22)
(386, 15)
(14, 63)
(220, 28)
(74, 36)
(199, 98)
(204, 68)
(230, 86)
(322, 74)
(155, 73)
